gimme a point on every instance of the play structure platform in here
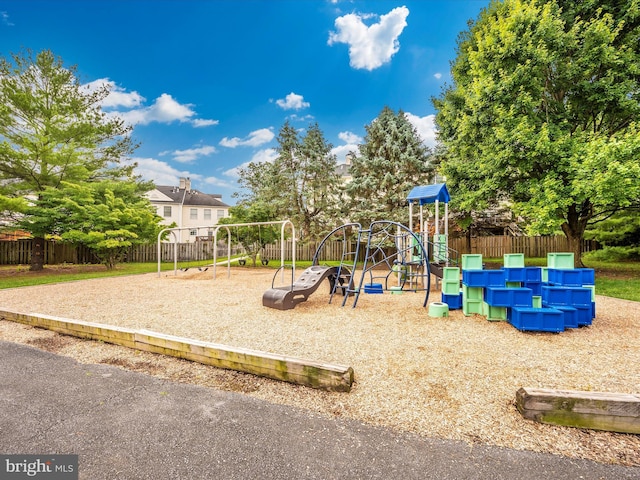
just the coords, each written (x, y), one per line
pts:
(287, 297)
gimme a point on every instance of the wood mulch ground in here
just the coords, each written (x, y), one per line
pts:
(453, 378)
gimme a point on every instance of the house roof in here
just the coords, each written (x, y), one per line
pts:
(429, 193)
(191, 197)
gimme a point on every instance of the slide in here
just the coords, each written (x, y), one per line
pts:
(286, 298)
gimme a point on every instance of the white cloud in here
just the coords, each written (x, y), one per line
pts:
(118, 96)
(437, 75)
(425, 126)
(217, 182)
(128, 106)
(350, 137)
(267, 155)
(298, 118)
(293, 101)
(5, 19)
(200, 122)
(161, 172)
(191, 154)
(351, 145)
(370, 46)
(254, 139)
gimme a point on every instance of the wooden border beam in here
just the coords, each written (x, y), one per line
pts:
(278, 367)
(615, 412)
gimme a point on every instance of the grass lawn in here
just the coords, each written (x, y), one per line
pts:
(613, 279)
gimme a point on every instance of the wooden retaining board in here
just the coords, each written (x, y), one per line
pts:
(615, 412)
(278, 367)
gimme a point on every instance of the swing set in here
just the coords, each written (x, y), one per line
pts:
(213, 233)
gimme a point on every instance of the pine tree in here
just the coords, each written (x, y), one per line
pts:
(390, 163)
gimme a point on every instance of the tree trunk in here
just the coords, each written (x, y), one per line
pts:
(574, 228)
(37, 254)
(468, 239)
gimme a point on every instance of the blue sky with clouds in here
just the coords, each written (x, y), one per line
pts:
(207, 84)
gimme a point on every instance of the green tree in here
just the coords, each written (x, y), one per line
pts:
(391, 161)
(253, 238)
(301, 184)
(53, 131)
(108, 217)
(543, 112)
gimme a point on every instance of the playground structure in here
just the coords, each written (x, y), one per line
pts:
(213, 230)
(396, 258)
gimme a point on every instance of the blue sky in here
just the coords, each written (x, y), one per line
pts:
(208, 84)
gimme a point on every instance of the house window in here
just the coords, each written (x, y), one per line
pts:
(193, 232)
(167, 211)
(193, 213)
(220, 214)
(207, 214)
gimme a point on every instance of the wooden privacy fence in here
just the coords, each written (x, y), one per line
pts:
(497, 246)
(19, 251)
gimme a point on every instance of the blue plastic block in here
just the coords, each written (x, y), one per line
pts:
(533, 274)
(495, 278)
(474, 278)
(566, 296)
(580, 297)
(373, 288)
(584, 316)
(566, 278)
(593, 309)
(536, 287)
(508, 297)
(537, 319)
(588, 276)
(454, 301)
(570, 316)
(516, 274)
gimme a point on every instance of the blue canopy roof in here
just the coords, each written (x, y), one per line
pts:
(429, 193)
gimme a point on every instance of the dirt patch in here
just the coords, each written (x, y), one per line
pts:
(49, 270)
(54, 343)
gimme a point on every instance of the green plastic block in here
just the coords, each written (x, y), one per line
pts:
(494, 314)
(513, 284)
(593, 291)
(545, 274)
(451, 273)
(537, 301)
(472, 261)
(469, 307)
(513, 260)
(451, 287)
(471, 293)
(560, 260)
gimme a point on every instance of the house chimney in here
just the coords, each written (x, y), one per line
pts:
(185, 183)
(347, 159)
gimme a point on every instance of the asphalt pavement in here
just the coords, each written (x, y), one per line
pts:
(126, 425)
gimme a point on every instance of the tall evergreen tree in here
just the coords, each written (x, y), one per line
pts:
(54, 131)
(391, 161)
